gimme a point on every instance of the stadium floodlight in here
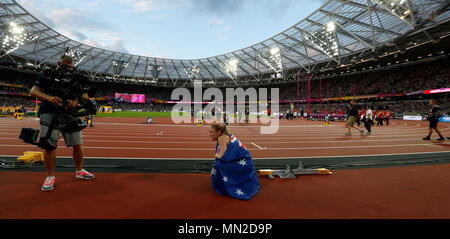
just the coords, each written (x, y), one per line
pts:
(275, 51)
(272, 58)
(153, 81)
(231, 68)
(118, 67)
(77, 57)
(14, 37)
(326, 39)
(400, 8)
(331, 27)
(155, 70)
(192, 72)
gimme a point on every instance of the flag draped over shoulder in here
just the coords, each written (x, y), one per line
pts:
(234, 174)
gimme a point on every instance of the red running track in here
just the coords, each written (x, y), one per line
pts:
(400, 192)
(419, 192)
(131, 138)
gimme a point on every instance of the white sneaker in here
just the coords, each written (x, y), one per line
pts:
(49, 184)
(83, 174)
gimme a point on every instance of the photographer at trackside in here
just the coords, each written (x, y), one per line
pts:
(61, 91)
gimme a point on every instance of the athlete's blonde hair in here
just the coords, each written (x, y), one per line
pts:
(221, 128)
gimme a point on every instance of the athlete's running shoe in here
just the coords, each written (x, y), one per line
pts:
(427, 138)
(49, 184)
(441, 139)
(83, 174)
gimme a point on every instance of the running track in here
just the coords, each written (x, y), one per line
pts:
(398, 192)
(130, 138)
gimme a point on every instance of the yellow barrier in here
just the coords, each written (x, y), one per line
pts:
(106, 109)
(7, 111)
(18, 116)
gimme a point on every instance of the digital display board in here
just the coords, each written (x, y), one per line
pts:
(129, 98)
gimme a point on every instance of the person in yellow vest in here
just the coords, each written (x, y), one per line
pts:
(19, 112)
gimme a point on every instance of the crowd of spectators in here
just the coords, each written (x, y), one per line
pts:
(425, 76)
(431, 75)
(16, 101)
(412, 107)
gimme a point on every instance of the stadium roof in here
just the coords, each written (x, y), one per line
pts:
(338, 31)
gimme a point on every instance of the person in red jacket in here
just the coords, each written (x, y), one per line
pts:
(387, 116)
(380, 117)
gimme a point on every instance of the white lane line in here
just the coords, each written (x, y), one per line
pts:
(265, 137)
(300, 134)
(355, 147)
(256, 138)
(133, 141)
(387, 137)
(281, 158)
(208, 149)
(336, 142)
(256, 143)
(259, 147)
(118, 148)
(290, 132)
(209, 142)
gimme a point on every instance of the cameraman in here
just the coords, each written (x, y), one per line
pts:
(52, 113)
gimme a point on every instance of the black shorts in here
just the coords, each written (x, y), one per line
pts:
(434, 123)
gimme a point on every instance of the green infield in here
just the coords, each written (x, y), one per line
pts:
(141, 114)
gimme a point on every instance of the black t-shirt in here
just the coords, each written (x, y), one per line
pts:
(435, 113)
(353, 111)
(49, 79)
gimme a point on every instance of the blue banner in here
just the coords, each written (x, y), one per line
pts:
(445, 119)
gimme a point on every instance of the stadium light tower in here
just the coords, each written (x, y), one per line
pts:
(155, 71)
(192, 72)
(400, 8)
(231, 68)
(331, 27)
(326, 40)
(78, 57)
(14, 37)
(272, 58)
(118, 67)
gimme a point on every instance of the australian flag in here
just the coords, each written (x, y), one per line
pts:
(234, 174)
